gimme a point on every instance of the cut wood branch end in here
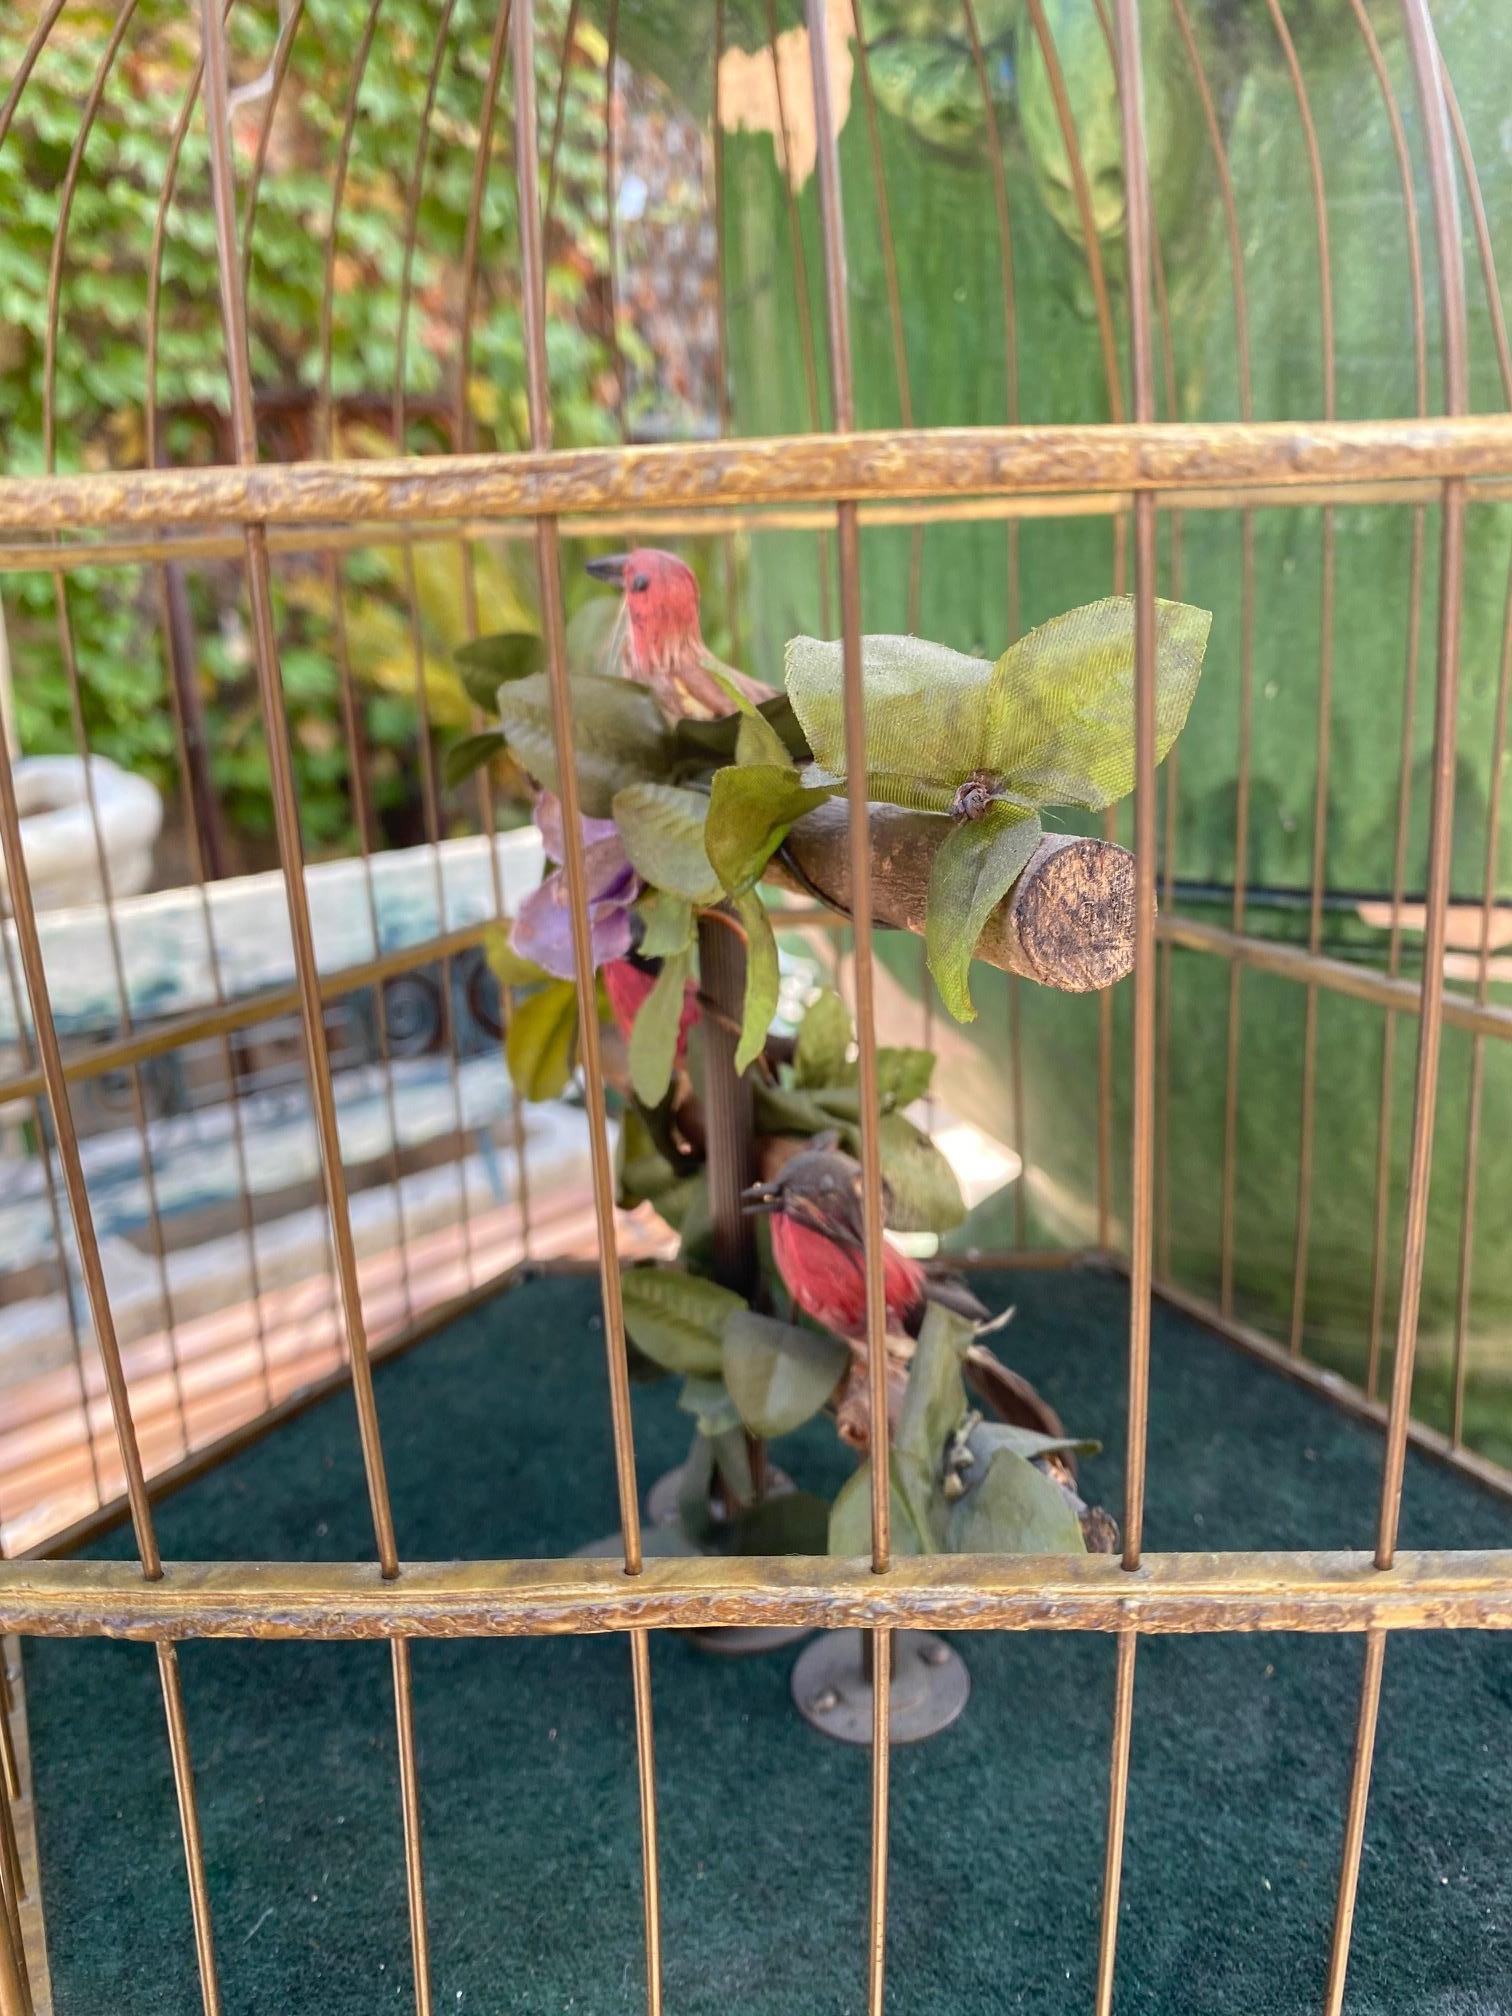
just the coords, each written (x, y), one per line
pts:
(1067, 922)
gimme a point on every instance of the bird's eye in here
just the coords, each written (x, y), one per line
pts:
(640, 583)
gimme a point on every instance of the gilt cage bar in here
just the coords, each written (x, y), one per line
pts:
(1144, 475)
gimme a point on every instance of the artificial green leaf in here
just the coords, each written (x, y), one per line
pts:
(903, 1075)
(694, 1516)
(717, 739)
(763, 978)
(791, 1522)
(824, 1038)
(662, 828)
(935, 1402)
(667, 921)
(1060, 706)
(590, 634)
(926, 710)
(778, 1376)
(695, 1228)
(653, 1040)
(1014, 1509)
(678, 1318)
(619, 736)
(732, 1458)
(782, 1111)
(506, 965)
(990, 1436)
(751, 807)
(487, 663)
(974, 867)
(468, 753)
(710, 1405)
(540, 1047)
(644, 1173)
(1054, 716)
(925, 1193)
(850, 1520)
(757, 741)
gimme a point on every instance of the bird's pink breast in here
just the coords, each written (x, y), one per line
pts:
(828, 1280)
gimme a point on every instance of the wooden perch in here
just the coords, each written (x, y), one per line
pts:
(1067, 922)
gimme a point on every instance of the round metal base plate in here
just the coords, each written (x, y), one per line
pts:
(833, 1692)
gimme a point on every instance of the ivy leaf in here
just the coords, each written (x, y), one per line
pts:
(778, 1376)
(1014, 1509)
(926, 1195)
(541, 1046)
(850, 1530)
(794, 1522)
(662, 829)
(678, 1319)
(1060, 704)
(763, 978)
(487, 663)
(751, 807)
(619, 735)
(975, 865)
(757, 741)
(667, 922)
(824, 1038)
(468, 753)
(653, 1039)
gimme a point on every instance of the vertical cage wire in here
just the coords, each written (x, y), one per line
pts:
(548, 570)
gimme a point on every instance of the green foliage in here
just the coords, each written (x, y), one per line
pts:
(678, 1319)
(653, 1040)
(950, 1493)
(540, 1047)
(763, 978)
(978, 862)
(128, 179)
(618, 734)
(662, 827)
(778, 1376)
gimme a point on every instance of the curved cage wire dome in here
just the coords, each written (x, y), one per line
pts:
(335, 335)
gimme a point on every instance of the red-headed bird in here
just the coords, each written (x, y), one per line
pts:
(818, 1242)
(664, 646)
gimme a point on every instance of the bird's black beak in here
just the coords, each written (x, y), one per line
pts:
(610, 568)
(761, 1200)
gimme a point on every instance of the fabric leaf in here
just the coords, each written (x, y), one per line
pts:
(935, 1401)
(1060, 711)
(653, 1039)
(792, 1522)
(662, 829)
(487, 663)
(975, 865)
(825, 1035)
(469, 753)
(667, 922)
(850, 1522)
(619, 736)
(778, 1375)
(751, 807)
(763, 978)
(1014, 1509)
(677, 1319)
(924, 1190)
(541, 1045)
(757, 741)
(926, 714)
(709, 1403)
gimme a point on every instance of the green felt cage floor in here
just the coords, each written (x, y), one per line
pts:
(497, 1439)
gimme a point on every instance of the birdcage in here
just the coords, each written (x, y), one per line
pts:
(1003, 307)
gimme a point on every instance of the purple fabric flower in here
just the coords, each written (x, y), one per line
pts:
(543, 928)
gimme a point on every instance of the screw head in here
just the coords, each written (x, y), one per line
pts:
(936, 1654)
(825, 1703)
